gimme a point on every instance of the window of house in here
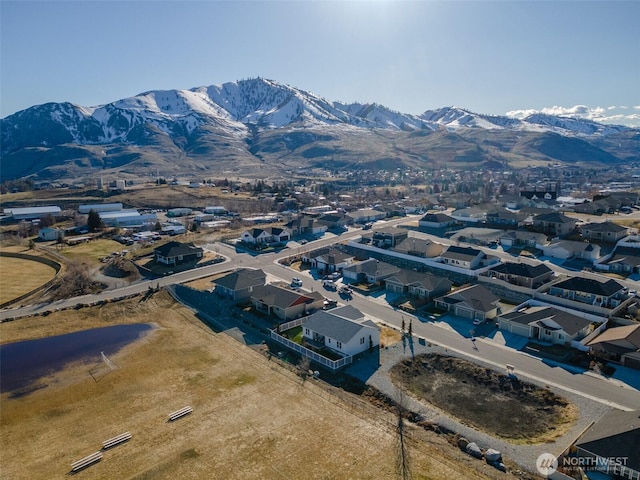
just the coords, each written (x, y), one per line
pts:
(362, 340)
(306, 331)
(339, 344)
(547, 332)
(560, 337)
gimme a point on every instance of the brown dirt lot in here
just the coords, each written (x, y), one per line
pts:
(252, 418)
(490, 401)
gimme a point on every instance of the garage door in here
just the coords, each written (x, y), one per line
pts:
(463, 312)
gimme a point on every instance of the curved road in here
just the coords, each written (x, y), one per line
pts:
(610, 392)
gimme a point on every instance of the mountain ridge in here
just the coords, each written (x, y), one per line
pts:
(219, 119)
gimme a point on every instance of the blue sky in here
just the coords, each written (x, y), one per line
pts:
(568, 57)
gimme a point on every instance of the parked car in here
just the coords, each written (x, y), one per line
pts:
(478, 321)
(329, 284)
(296, 282)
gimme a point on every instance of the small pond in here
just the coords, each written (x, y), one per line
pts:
(21, 363)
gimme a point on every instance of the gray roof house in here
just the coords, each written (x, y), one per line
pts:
(572, 249)
(521, 274)
(436, 220)
(475, 302)
(545, 323)
(554, 223)
(343, 330)
(616, 343)
(463, 257)
(588, 290)
(611, 444)
(174, 253)
(419, 247)
(284, 303)
(371, 271)
(608, 232)
(417, 284)
(239, 284)
(624, 260)
(328, 259)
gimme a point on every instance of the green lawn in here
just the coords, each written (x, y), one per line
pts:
(294, 334)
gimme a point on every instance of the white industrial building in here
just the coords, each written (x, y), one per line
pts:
(31, 213)
(127, 218)
(101, 207)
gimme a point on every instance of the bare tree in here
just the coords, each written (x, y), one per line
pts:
(403, 460)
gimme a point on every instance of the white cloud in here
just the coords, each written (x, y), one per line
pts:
(611, 115)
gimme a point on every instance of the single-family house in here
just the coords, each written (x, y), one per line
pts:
(436, 220)
(419, 247)
(474, 214)
(625, 260)
(523, 239)
(328, 259)
(240, 283)
(545, 323)
(425, 286)
(285, 303)
(371, 271)
(343, 329)
(619, 344)
(474, 302)
(306, 225)
(266, 236)
(588, 290)
(521, 274)
(174, 253)
(607, 232)
(365, 215)
(334, 220)
(572, 249)
(48, 234)
(610, 445)
(388, 237)
(462, 257)
(391, 210)
(554, 224)
(504, 218)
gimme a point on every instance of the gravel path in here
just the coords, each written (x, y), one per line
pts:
(524, 455)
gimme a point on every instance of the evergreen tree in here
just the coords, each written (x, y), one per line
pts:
(93, 221)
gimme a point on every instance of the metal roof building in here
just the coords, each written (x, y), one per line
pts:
(30, 213)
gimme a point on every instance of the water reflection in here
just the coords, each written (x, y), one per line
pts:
(21, 363)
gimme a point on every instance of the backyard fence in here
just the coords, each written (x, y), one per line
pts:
(316, 357)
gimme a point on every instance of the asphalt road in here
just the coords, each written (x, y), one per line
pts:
(607, 391)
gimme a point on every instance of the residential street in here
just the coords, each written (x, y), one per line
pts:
(620, 394)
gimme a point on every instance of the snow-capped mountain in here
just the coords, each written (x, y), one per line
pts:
(235, 115)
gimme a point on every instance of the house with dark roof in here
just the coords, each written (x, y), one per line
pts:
(545, 323)
(335, 220)
(474, 302)
(521, 274)
(504, 218)
(554, 224)
(589, 291)
(285, 303)
(425, 286)
(240, 283)
(371, 271)
(611, 445)
(174, 253)
(419, 247)
(266, 236)
(436, 220)
(306, 225)
(343, 329)
(388, 237)
(619, 344)
(328, 259)
(463, 257)
(607, 232)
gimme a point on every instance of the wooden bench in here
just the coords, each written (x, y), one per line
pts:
(180, 413)
(86, 461)
(117, 440)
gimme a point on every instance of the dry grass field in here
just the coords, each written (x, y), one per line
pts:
(19, 276)
(251, 417)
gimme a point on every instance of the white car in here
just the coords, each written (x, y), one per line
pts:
(296, 282)
(477, 321)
